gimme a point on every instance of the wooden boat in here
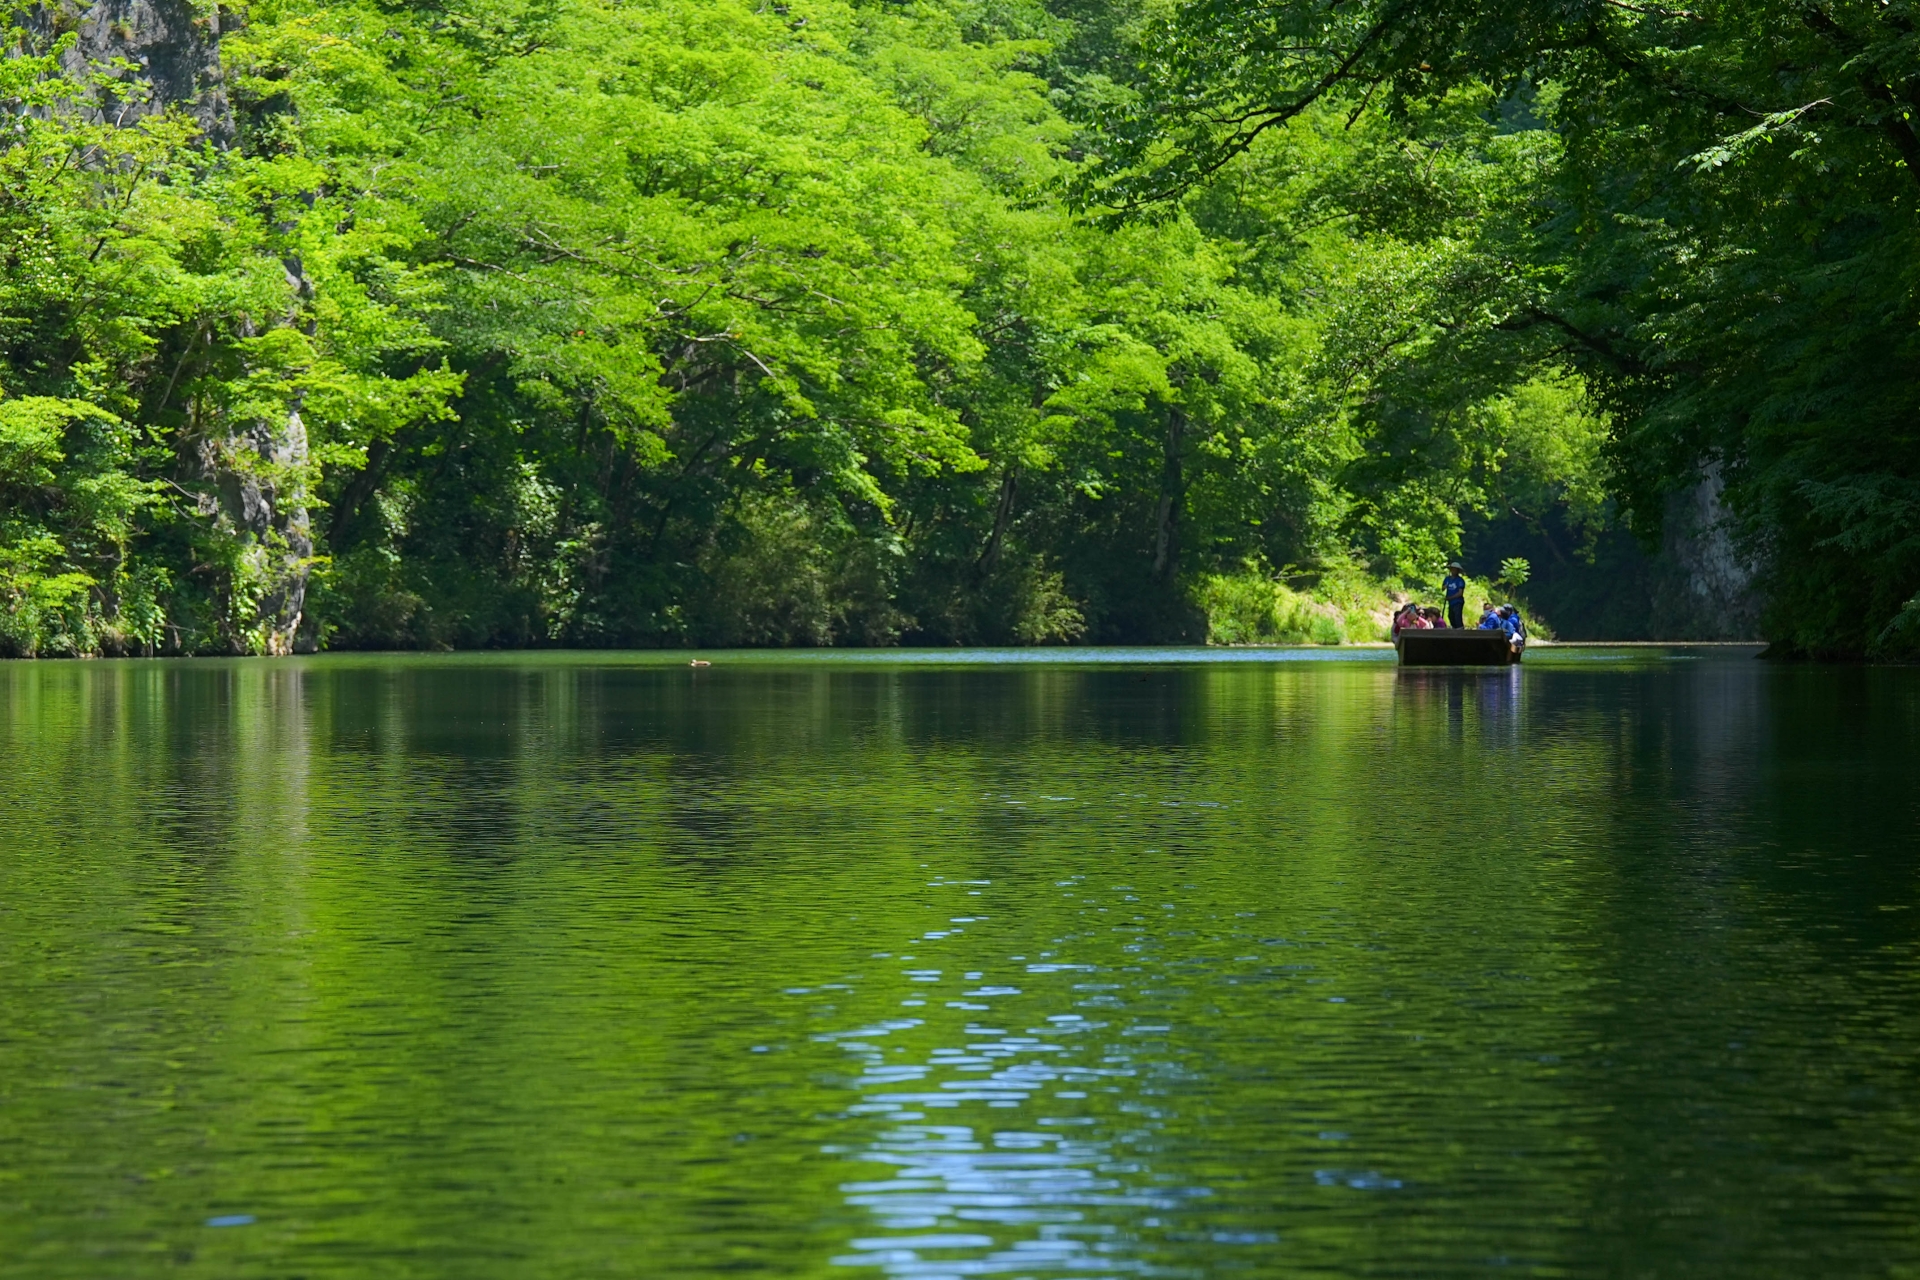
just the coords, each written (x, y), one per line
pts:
(1448, 647)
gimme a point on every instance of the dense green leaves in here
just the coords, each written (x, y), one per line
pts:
(1720, 238)
(734, 323)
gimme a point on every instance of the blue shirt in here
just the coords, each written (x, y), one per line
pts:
(1455, 587)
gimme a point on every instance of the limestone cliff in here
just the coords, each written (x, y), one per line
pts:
(173, 47)
(251, 478)
(1705, 586)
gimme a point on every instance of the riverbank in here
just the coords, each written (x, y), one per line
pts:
(1329, 607)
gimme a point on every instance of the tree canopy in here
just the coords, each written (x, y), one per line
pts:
(1719, 239)
(490, 322)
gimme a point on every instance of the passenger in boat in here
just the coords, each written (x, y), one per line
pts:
(1512, 622)
(1489, 617)
(1454, 588)
(1409, 618)
(1431, 615)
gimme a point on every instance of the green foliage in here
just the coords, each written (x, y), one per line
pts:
(714, 322)
(162, 304)
(1711, 220)
(68, 510)
(1249, 608)
(1343, 604)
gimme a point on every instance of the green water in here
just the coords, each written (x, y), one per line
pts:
(1189, 964)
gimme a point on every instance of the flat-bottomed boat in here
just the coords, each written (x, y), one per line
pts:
(1451, 647)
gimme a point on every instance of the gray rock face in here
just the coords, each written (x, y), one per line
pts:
(250, 477)
(173, 46)
(253, 488)
(1708, 585)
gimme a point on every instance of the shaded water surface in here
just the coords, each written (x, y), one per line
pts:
(603, 966)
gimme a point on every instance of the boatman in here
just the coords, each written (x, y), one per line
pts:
(1454, 587)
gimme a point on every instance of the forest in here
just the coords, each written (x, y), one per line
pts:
(496, 323)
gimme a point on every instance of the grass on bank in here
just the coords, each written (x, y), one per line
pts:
(1343, 605)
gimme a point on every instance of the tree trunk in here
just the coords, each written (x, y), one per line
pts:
(1002, 517)
(1166, 542)
(346, 512)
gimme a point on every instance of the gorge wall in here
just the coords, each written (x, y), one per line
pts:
(172, 46)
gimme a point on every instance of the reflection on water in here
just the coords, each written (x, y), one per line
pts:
(510, 966)
(1492, 692)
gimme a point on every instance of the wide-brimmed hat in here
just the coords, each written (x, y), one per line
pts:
(1453, 564)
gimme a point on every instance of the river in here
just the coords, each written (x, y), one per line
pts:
(1048, 964)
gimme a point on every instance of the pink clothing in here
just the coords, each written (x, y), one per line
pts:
(1409, 619)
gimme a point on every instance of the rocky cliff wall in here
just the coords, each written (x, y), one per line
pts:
(1696, 585)
(173, 47)
(1705, 587)
(250, 477)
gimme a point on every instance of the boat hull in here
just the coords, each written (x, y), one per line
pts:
(1446, 647)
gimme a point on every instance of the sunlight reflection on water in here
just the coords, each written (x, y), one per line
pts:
(1165, 965)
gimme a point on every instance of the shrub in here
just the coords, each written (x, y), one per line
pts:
(1252, 608)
